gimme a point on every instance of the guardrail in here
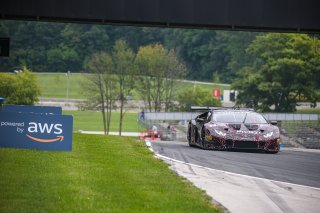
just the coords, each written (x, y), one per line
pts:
(297, 129)
(178, 116)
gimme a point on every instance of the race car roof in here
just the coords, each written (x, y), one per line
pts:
(207, 108)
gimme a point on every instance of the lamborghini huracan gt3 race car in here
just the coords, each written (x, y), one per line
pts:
(233, 128)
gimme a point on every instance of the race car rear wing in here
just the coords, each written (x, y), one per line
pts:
(206, 108)
(200, 108)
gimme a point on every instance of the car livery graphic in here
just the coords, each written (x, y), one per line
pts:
(233, 128)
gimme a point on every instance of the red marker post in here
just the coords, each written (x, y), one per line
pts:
(216, 94)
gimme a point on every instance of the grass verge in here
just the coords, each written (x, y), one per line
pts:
(54, 85)
(92, 121)
(309, 111)
(101, 174)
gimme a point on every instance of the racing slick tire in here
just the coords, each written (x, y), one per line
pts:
(204, 143)
(196, 136)
(189, 135)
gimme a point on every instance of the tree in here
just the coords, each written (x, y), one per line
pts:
(58, 47)
(196, 97)
(282, 72)
(21, 88)
(234, 45)
(123, 60)
(200, 49)
(100, 87)
(157, 69)
(30, 42)
(176, 69)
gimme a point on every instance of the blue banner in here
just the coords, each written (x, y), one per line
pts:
(36, 131)
(32, 109)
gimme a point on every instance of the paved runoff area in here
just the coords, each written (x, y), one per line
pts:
(261, 182)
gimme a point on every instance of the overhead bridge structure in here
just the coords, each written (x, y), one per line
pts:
(252, 15)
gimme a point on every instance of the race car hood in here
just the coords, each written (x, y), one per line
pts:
(241, 131)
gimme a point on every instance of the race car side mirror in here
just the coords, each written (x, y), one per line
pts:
(274, 123)
(200, 119)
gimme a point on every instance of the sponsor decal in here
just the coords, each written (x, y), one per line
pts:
(36, 128)
(45, 128)
(36, 131)
(58, 138)
(247, 132)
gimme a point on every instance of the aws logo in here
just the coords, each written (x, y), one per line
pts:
(45, 129)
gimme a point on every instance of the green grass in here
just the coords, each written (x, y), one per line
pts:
(54, 85)
(92, 121)
(101, 174)
(309, 111)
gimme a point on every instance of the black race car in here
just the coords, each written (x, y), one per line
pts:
(233, 128)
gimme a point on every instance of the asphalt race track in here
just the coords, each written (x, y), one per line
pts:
(297, 167)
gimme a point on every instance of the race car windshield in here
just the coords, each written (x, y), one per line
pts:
(254, 118)
(238, 117)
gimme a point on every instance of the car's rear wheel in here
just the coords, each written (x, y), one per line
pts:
(189, 135)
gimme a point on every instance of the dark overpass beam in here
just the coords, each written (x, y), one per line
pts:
(255, 15)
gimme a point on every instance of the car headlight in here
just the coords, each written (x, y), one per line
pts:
(220, 132)
(268, 135)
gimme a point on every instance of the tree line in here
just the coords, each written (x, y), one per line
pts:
(59, 47)
(152, 72)
(272, 71)
(284, 69)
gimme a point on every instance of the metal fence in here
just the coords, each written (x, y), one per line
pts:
(304, 134)
(169, 130)
(178, 116)
(297, 130)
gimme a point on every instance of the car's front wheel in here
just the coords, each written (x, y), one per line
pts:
(189, 135)
(272, 152)
(204, 143)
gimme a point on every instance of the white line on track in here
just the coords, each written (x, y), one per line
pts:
(230, 173)
(254, 194)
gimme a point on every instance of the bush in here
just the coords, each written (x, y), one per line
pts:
(21, 88)
(196, 97)
(7, 84)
